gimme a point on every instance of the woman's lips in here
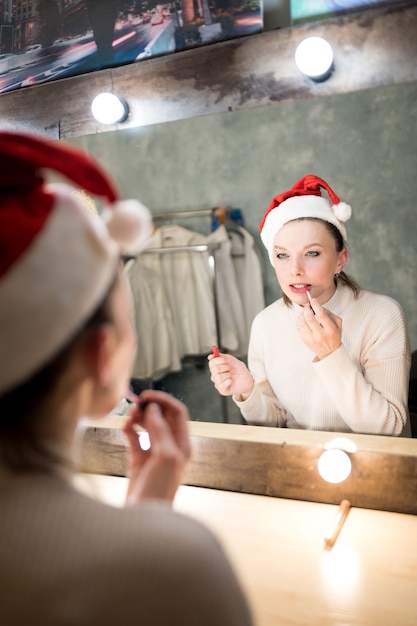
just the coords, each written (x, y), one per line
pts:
(300, 288)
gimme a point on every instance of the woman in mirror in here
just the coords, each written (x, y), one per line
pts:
(327, 355)
(67, 346)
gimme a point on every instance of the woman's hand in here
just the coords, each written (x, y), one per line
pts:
(320, 330)
(230, 376)
(158, 471)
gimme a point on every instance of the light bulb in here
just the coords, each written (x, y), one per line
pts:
(314, 58)
(108, 108)
(144, 440)
(334, 465)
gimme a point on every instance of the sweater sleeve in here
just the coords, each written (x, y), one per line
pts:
(262, 408)
(371, 395)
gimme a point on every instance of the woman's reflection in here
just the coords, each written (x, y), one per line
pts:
(327, 355)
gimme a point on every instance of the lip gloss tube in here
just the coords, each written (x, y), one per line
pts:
(143, 435)
(133, 397)
(309, 299)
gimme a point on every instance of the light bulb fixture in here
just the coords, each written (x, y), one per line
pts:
(108, 108)
(334, 465)
(314, 58)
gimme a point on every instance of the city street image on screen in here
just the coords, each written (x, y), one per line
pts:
(45, 40)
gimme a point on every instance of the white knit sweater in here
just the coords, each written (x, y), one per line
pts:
(361, 387)
(69, 560)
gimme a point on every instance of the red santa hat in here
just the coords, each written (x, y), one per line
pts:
(304, 199)
(57, 259)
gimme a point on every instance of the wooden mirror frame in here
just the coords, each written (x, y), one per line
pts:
(275, 462)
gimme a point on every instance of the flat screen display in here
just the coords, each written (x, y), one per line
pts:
(50, 39)
(302, 11)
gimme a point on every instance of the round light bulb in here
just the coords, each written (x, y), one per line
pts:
(144, 440)
(314, 57)
(334, 465)
(108, 108)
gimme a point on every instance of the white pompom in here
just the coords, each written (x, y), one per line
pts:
(129, 223)
(342, 211)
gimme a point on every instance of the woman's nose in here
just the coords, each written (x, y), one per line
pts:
(297, 267)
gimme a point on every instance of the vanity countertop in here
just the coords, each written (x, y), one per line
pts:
(277, 546)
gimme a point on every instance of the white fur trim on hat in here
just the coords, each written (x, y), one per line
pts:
(298, 207)
(37, 316)
(129, 223)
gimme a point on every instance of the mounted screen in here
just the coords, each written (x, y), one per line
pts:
(302, 11)
(52, 39)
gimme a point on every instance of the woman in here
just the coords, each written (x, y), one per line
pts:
(67, 347)
(327, 355)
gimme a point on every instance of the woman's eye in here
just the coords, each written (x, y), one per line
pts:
(282, 255)
(313, 253)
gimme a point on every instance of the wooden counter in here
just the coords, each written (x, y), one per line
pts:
(369, 577)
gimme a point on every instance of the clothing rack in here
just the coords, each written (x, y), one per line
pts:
(181, 214)
(210, 248)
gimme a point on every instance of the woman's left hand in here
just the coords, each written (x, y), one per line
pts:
(320, 330)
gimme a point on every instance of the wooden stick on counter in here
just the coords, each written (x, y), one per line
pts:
(336, 526)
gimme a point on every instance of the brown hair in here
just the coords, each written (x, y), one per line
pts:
(340, 244)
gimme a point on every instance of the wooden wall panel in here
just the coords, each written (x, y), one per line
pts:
(374, 48)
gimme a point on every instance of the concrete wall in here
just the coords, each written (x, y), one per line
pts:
(364, 144)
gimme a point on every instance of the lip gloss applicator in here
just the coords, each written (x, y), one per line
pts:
(133, 397)
(143, 435)
(215, 351)
(309, 299)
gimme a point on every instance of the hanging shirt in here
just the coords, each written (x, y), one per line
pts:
(157, 352)
(248, 276)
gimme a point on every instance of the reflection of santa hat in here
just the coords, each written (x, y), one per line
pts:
(57, 259)
(304, 199)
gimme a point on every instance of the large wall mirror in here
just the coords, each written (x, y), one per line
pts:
(363, 143)
(233, 124)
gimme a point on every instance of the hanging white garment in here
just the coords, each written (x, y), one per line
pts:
(249, 275)
(174, 304)
(231, 314)
(187, 285)
(157, 351)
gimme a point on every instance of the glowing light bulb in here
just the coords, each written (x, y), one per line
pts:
(334, 465)
(108, 108)
(314, 58)
(144, 440)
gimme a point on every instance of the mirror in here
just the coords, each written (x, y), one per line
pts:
(363, 143)
(230, 123)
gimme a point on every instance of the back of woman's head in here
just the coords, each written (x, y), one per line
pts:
(58, 261)
(57, 258)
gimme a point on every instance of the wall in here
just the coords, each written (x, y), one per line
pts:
(363, 144)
